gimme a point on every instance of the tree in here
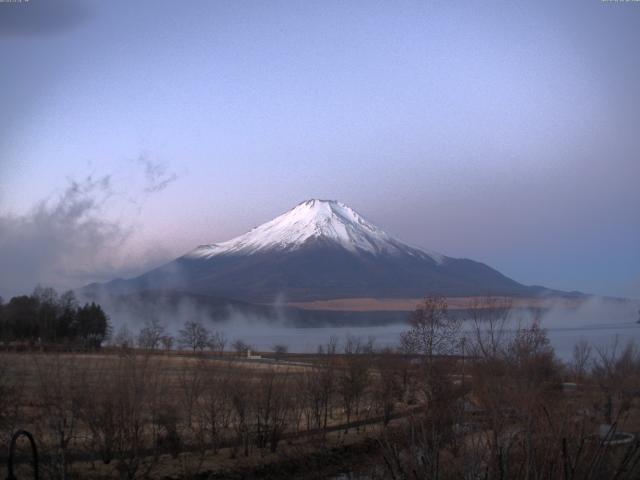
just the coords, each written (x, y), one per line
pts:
(20, 314)
(92, 325)
(217, 406)
(124, 337)
(150, 334)
(489, 318)
(580, 358)
(387, 383)
(241, 347)
(514, 374)
(353, 381)
(617, 371)
(271, 407)
(48, 311)
(356, 345)
(68, 309)
(330, 348)
(194, 335)
(59, 415)
(280, 350)
(167, 342)
(45, 316)
(217, 342)
(433, 331)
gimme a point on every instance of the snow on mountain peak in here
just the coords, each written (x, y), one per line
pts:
(313, 219)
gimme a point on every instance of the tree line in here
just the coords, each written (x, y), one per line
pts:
(46, 317)
(153, 335)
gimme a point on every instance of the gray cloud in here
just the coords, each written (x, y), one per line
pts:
(68, 241)
(58, 238)
(40, 17)
(157, 175)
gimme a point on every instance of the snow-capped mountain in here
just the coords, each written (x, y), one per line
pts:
(320, 249)
(314, 219)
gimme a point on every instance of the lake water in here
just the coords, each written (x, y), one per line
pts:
(306, 340)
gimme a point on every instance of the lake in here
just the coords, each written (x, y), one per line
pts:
(306, 340)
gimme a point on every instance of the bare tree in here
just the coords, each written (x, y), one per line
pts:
(58, 389)
(617, 371)
(489, 318)
(318, 388)
(99, 413)
(241, 399)
(279, 351)
(191, 388)
(240, 347)
(515, 379)
(330, 348)
(218, 342)
(139, 397)
(356, 345)
(167, 342)
(352, 382)
(271, 406)
(151, 333)
(217, 403)
(581, 358)
(124, 338)
(433, 330)
(193, 335)
(387, 384)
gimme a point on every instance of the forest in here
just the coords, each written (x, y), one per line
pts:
(46, 318)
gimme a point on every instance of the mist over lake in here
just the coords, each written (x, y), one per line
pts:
(307, 340)
(599, 323)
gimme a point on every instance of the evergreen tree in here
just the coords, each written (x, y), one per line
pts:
(46, 317)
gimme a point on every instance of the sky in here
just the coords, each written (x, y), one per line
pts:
(506, 132)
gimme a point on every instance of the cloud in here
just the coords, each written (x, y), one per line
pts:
(157, 176)
(69, 240)
(58, 238)
(38, 17)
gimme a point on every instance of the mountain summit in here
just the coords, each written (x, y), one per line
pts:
(311, 221)
(320, 249)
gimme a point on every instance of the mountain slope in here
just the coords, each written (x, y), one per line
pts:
(321, 250)
(329, 220)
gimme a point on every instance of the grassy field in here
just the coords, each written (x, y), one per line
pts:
(127, 413)
(59, 396)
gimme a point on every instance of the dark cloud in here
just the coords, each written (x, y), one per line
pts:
(41, 17)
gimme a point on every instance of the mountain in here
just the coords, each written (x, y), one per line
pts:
(320, 249)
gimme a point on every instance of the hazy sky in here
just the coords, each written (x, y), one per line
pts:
(507, 132)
